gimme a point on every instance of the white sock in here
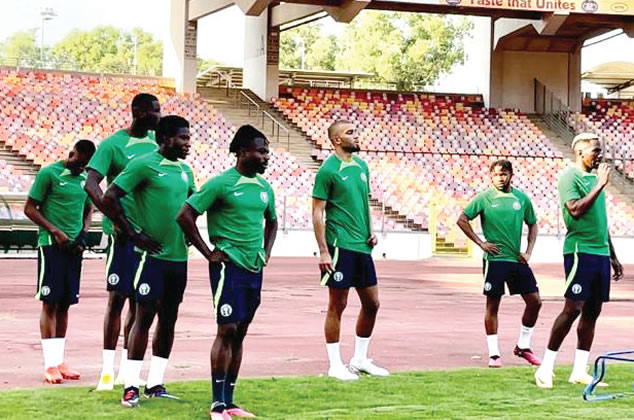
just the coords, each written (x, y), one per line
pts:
(156, 375)
(492, 343)
(58, 350)
(133, 372)
(361, 348)
(524, 342)
(123, 362)
(580, 366)
(548, 362)
(48, 349)
(108, 360)
(334, 354)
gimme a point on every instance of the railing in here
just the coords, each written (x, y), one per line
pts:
(221, 77)
(48, 64)
(561, 119)
(553, 111)
(264, 117)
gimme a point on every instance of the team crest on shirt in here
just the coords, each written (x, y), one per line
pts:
(46, 291)
(113, 279)
(144, 289)
(487, 286)
(82, 184)
(264, 196)
(576, 289)
(184, 176)
(517, 205)
(226, 310)
(363, 177)
(338, 276)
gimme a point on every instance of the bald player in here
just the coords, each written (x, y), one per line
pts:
(345, 241)
(588, 255)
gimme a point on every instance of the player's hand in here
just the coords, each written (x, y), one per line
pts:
(618, 269)
(146, 243)
(325, 263)
(524, 257)
(79, 245)
(604, 173)
(489, 248)
(217, 256)
(373, 240)
(61, 238)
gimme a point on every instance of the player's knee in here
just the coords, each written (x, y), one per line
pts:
(337, 306)
(572, 311)
(535, 304)
(372, 306)
(227, 332)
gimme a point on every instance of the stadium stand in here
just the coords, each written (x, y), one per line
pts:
(613, 121)
(445, 160)
(422, 149)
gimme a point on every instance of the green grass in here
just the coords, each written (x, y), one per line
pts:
(455, 394)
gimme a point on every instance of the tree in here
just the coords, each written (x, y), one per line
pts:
(108, 49)
(323, 53)
(408, 49)
(296, 41)
(21, 47)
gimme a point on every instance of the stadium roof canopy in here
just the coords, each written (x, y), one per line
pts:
(614, 76)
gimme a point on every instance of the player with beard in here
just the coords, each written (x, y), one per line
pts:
(159, 183)
(237, 202)
(345, 240)
(503, 211)
(588, 254)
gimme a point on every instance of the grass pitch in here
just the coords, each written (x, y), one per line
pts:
(454, 394)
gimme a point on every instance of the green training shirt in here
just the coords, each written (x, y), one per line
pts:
(62, 199)
(588, 233)
(502, 216)
(112, 155)
(159, 187)
(236, 205)
(346, 188)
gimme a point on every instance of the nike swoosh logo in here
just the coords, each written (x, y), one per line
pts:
(238, 194)
(219, 380)
(160, 174)
(63, 183)
(131, 156)
(494, 205)
(344, 177)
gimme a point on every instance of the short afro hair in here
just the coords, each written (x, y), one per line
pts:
(168, 125)
(143, 100)
(504, 164)
(244, 138)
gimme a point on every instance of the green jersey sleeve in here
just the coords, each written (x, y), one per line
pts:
(202, 200)
(133, 175)
(270, 213)
(568, 189)
(529, 213)
(41, 185)
(102, 159)
(192, 181)
(475, 207)
(323, 181)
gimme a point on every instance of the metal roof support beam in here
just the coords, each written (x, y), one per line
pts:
(550, 24)
(348, 10)
(200, 8)
(289, 12)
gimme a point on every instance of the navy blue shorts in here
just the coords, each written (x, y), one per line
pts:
(121, 265)
(352, 269)
(157, 279)
(587, 277)
(518, 277)
(58, 274)
(236, 292)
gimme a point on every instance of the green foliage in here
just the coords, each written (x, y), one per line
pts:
(454, 394)
(108, 49)
(21, 48)
(409, 49)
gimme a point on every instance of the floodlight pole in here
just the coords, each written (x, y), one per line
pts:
(46, 14)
